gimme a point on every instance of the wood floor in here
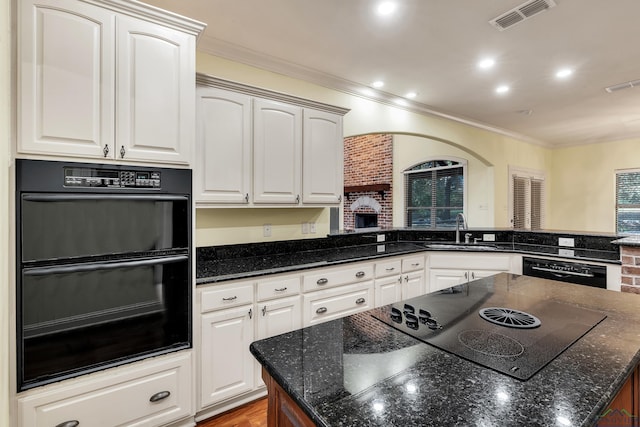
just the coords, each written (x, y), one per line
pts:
(253, 414)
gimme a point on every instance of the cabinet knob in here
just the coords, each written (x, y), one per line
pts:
(159, 396)
(322, 281)
(122, 152)
(360, 301)
(105, 150)
(321, 310)
(71, 423)
(360, 274)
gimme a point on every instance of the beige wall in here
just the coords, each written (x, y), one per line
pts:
(582, 196)
(5, 144)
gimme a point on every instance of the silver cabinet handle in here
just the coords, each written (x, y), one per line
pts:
(339, 198)
(264, 311)
(72, 423)
(390, 268)
(122, 152)
(473, 275)
(230, 298)
(298, 198)
(466, 275)
(250, 314)
(322, 281)
(321, 310)
(360, 301)
(280, 289)
(105, 150)
(161, 395)
(360, 274)
(400, 279)
(406, 279)
(415, 264)
(246, 198)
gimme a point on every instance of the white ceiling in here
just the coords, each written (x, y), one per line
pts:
(433, 46)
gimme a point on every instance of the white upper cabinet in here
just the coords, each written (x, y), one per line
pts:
(97, 83)
(277, 145)
(322, 158)
(261, 148)
(223, 161)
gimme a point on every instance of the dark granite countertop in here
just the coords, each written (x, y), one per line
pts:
(217, 264)
(357, 371)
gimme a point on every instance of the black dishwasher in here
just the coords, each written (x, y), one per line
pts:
(566, 271)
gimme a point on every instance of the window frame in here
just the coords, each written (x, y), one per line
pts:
(529, 175)
(618, 173)
(462, 163)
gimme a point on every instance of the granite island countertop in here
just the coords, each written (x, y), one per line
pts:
(357, 371)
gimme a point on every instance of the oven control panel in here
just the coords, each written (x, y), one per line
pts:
(110, 178)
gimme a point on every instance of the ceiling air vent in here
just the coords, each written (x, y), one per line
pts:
(620, 86)
(521, 13)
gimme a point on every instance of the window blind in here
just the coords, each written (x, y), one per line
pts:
(628, 202)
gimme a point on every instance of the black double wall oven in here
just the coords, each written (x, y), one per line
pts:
(103, 267)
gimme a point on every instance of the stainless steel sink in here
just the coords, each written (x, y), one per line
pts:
(461, 246)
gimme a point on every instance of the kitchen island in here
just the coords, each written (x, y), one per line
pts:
(359, 371)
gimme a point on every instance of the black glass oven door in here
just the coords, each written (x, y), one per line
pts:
(83, 317)
(60, 226)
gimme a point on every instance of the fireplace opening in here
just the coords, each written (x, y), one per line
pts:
(366, 220)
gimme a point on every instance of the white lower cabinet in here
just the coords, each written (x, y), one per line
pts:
(153, 392)
(330, 304)
(399, 278)
(451, 269)
(227, 367)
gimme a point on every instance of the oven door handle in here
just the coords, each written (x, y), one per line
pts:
(77, 268)
(562, 273)
(94, 196)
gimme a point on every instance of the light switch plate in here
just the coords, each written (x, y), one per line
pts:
(380, 237)
(489, 237)
(566, 241)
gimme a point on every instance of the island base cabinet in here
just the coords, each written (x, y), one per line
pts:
(624, 410)
(151, 393)
(282, 411)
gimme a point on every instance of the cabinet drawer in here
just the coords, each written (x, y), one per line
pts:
(336, 277)
(334, 303)
(276, 288)
(218, 297)
(388, 268)
(413, 263)
(154, 394)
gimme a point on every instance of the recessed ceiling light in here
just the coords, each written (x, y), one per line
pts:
(564, 73)
(411, 95)
(486, 63)
(386, 8)
(377, 84)
(502, 89)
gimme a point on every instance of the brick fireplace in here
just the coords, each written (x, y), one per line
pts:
(368, 177)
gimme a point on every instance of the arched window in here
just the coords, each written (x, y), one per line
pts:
(434, 193)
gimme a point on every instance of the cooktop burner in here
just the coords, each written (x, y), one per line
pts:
(486, 323)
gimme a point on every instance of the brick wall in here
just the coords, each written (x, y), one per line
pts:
(368, 159)
(630, 257)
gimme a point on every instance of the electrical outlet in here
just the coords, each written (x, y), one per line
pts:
(380, 237)
(312, 227)
(489, 237)
(266, 230)
(566, 241)
(305, 228)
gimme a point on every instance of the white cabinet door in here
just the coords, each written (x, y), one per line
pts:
(66, 78)
(413, 284)
(277, 145)
(481, 274)
(227, 367)
(279, 316)
(388, 290)
(222, 172)
(445, 278)
(322, 161)
(156, 89)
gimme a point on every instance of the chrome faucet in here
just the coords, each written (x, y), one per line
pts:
(464, 225)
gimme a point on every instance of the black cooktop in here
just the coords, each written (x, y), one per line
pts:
(491, 325)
